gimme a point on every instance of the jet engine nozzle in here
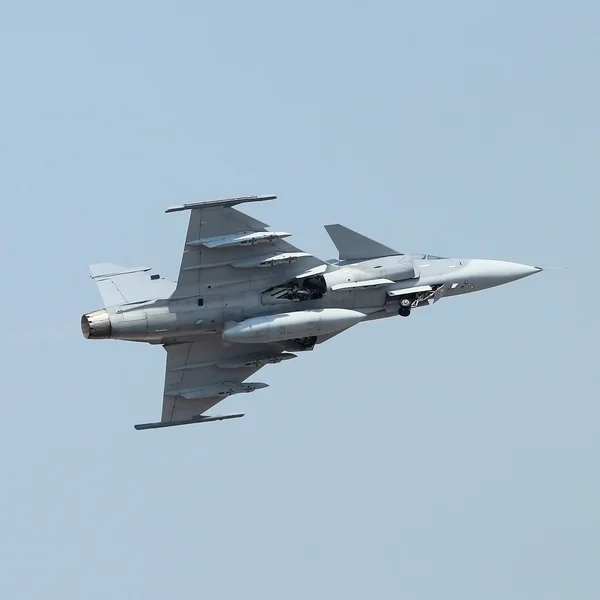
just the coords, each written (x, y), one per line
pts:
(96, 325)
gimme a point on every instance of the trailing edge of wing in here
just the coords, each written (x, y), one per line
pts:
(355, 246)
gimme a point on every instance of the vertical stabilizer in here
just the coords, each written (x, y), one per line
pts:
(122, 285)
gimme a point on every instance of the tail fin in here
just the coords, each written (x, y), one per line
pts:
(354, 246)
(122, 285)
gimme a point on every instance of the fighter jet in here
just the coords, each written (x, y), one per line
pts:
(246, 297)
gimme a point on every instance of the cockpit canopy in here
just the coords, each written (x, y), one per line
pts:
(427, 257)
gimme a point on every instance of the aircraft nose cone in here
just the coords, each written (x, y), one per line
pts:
(490, 273)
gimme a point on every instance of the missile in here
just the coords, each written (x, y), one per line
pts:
(255, 360)
(217, 390)
(243, 238)
(270, 260)
(287, 326)
(248, 361)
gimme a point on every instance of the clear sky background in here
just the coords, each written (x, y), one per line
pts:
(454, 454)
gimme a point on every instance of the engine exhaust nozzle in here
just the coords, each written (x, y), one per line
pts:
(96, 325)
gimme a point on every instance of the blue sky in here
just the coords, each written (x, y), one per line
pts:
(454, 454)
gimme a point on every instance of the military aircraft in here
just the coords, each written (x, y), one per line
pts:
(246, 297)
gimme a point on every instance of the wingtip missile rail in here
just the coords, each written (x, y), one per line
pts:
(200, 419)
(224, 203)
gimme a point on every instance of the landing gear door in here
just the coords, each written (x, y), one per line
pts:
(439, 293)
(345, 298)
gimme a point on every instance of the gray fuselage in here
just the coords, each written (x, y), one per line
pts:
(171, 321)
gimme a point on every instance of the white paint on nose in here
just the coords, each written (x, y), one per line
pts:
(489, 273)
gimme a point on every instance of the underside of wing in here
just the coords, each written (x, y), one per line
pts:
(225, 247)
(202, 373)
